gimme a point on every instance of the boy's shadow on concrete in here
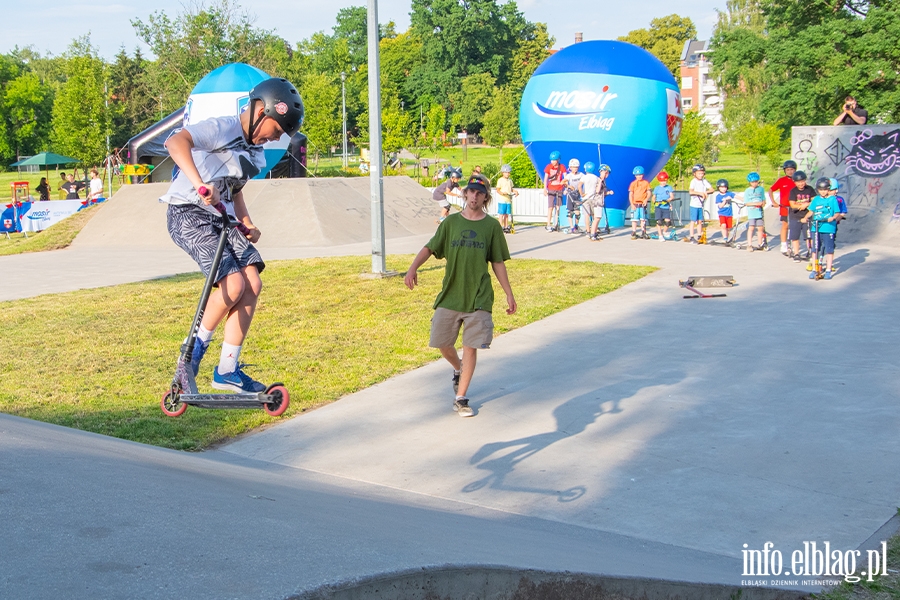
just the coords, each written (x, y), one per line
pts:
(572, 418)
(845, 262)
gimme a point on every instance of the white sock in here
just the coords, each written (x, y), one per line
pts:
(229, 358)
(204, 335)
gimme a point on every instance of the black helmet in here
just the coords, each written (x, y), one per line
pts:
(281, 101)
(799, 176)
(823, 183)
(722, 182)
(789, 164)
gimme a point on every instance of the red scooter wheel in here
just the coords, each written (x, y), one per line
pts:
(280, 401)
(171, 405)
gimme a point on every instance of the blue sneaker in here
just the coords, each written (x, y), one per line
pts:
(237, 381)
(197, 355)
(827, 274)
(812, 275)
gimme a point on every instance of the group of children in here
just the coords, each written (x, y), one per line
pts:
(586, 190)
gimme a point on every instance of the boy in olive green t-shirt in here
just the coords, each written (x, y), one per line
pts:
(469, 240)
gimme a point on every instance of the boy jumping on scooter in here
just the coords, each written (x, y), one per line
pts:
(221, 154)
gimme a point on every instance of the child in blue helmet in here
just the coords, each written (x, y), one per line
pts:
(823, 211)
(754, 200)
(725, 208)
(639, 197)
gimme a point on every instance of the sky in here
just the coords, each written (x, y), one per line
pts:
(51, 25)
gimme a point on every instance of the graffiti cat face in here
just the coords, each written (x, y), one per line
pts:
(874, 155)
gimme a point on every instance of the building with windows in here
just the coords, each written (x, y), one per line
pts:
(699, 91)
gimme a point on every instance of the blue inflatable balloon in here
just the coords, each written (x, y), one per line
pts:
(605, 102)
(226, 91)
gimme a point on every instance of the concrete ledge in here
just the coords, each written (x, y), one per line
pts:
(504, 583)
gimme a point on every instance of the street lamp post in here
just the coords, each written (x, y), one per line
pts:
(376, 187)
(344, 113)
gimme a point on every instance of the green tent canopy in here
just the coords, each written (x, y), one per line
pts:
(45, 159)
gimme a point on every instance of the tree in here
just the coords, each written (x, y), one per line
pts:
(322, 102)
(696, 145)
(501, 122)
(132, 105)
(532, 49)
(28, 107)
(665, 39)
(198, 40)
(806, 57)
(79, 124)
(758, 140)
(462, 38)
(474, 99)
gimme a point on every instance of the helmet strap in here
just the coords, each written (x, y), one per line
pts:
(254, 123)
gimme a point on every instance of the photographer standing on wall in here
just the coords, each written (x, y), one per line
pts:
(853, 113)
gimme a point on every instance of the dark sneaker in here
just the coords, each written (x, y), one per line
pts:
(461, 406)
(797, 258)
(238, 381)
(456, 381)
(634, 236)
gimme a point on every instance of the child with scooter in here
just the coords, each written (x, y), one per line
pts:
(754, 200)
(588, 189)
(664, 194)
(506, 192)
(725, 208)
(554, 186)
(469, 240)
(573, 196)
(638, 198)
(699, 190)
(218, 156)
(823, 212)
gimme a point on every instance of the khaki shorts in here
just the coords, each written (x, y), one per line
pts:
(477, 333)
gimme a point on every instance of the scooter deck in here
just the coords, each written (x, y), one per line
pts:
(225, 400)
(708, 281)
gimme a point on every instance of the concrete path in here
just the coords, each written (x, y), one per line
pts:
(637, 434)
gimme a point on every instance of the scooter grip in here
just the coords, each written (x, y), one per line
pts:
(203, 190)
(240, 226)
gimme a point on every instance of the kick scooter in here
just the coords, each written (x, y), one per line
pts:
(183, 390)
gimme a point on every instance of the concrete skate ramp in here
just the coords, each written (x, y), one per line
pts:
(289, 212)
(503, 583)
(865, 160)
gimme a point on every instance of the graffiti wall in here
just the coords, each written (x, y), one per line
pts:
(865, 160)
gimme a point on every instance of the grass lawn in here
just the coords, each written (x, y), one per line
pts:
(100, 359)
(883, 587)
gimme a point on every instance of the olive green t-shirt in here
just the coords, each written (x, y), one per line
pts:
(468, 247)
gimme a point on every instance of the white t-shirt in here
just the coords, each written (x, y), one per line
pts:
(572, 179)
(223, 158)
(96, 187)
(699, 185)
(589, 182)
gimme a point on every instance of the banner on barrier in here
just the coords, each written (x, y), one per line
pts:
(37, 216)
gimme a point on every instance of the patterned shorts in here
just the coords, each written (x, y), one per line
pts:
(196, 231)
